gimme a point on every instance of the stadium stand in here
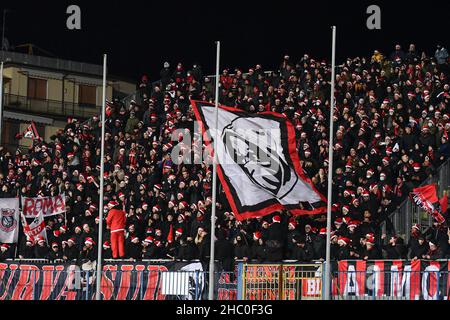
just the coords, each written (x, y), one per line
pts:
(391, 121)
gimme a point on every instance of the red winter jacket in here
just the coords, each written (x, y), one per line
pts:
(116, 220)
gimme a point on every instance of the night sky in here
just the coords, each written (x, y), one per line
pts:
(140, 35)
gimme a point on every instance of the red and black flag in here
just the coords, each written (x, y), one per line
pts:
(426, 198)
(258, 164)
(29, 133)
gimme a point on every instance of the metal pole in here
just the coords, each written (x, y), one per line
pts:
(214, 186)
(330, 170)
(3, 34)
(1, 101)
(100, 206)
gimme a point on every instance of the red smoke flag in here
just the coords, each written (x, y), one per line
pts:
(170, 235)
(258, 164)
(444, 203)
(30, 132)
(426, 198)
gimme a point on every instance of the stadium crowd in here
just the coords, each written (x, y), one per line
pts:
(391, 132)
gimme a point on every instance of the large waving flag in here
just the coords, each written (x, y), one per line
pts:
(258, 163)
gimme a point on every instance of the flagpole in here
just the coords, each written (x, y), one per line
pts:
(330, 170)
(214, 186)
(1, 101)
(100, 206)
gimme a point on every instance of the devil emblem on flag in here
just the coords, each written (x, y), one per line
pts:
(9, 220)
(275, 176)
(258, 164)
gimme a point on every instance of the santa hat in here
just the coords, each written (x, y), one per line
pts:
(323, 231)
(365, 193)
(344, 240)
(4, 246)
(338, 221)
(89, 240)
(157, 186)
(156, 208)
(371, 241)
(346, 220)
(134, 239)
(63, 228)
(113, 203)
(106, 245)
(56, 233)
(121, 194)
(257, 235)
(353, 223)
(416, 166)
(179, 231)
(276, 218)
(346, 208)
(183, 205)
(293, 224)
(182, 216)
(149, 239)
(416, 226)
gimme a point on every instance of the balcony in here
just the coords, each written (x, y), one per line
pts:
(49, 108)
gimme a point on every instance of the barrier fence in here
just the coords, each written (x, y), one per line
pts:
(134, 285)
(143, 280)
(170, 280)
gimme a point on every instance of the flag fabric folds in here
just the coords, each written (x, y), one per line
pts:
(9, 220)
(426, 198)
(258, 164)
(30, 132)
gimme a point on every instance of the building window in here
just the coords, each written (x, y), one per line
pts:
(87, 95)
(10, 129)
(37, 88)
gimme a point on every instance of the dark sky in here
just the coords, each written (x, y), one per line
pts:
(140, 35)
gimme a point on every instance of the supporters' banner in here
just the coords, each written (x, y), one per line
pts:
(394, 279)
(426, 198)
(9, 220)
(258, 163)
(47, 206)
(121, 281)
(35, 229)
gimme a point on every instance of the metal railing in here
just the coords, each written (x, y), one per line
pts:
(74, 283)
(408, 214)
(52, 63)
(50, 107)
(390, 285)
(292, 281)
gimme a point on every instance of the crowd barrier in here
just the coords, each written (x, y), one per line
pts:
(121, 280)
(182, 280)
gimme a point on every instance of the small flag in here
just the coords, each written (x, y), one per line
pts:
(30, 132)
